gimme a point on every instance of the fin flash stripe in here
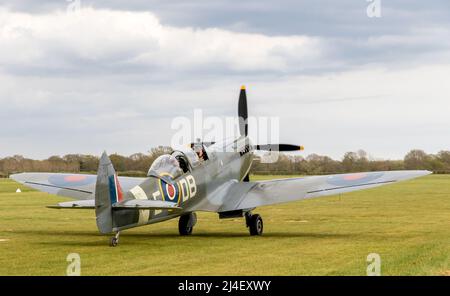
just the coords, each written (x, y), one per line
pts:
(115, 191)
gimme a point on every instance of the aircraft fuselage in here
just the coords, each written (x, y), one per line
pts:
(201, 186)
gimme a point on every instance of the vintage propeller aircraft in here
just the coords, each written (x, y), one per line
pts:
(211, 177)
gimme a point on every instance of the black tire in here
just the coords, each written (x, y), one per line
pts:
(183, 227)
(113, 242)
(256, 225)
(246, 178)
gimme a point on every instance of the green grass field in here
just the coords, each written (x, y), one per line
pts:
(408, 224)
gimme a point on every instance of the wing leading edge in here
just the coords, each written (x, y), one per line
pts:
(263, 193)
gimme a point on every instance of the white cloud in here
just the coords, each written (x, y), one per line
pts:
(124, 39)
(104, 79)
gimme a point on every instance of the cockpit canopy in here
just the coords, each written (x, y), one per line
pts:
(165, 165)
(188, 154)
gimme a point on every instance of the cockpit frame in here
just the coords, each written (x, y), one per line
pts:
(164, 167)
(189, 156)
(171, 166)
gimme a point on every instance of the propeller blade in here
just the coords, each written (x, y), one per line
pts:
(243, 112)
(279, 147)
(206, 144)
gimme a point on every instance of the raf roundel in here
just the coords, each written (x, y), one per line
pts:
(353, 179)
(171, 192)
(71, 180)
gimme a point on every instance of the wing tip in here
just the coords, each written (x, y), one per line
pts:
(422, 172)
(16, 177)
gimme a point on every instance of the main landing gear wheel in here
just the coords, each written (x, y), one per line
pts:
(114, 240)
(186, 223)
(254, 224)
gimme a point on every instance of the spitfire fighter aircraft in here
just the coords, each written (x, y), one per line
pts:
(212, 177)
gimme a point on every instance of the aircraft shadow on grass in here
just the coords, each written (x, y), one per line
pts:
(62, 235)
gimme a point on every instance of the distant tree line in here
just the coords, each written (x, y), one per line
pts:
(134, 165)
(139, 163)
(358, 161)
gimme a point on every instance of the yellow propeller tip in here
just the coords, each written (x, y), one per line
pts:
(243, 87)
(302, 148)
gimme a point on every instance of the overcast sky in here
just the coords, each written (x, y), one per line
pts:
(113, 75)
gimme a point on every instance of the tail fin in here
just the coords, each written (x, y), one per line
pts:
(243, 112)
(107, 193)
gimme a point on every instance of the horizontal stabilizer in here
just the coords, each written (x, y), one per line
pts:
(128, 204)
(77, 204)
(146, 204)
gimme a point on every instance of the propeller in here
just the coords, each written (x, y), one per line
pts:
(206, 144)
(279, 147)
(243, 112)
(243, 127)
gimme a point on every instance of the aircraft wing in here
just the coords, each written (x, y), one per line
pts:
(255, 194)
(76, 186)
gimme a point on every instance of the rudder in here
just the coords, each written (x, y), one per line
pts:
(107, 193)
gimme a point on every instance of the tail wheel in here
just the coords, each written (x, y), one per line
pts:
(186, 223)
(113, 242)
(255, 225)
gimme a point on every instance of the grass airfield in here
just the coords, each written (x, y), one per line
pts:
(407, 224)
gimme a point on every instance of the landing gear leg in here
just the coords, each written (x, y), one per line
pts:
(254, 223)
(114, 240)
